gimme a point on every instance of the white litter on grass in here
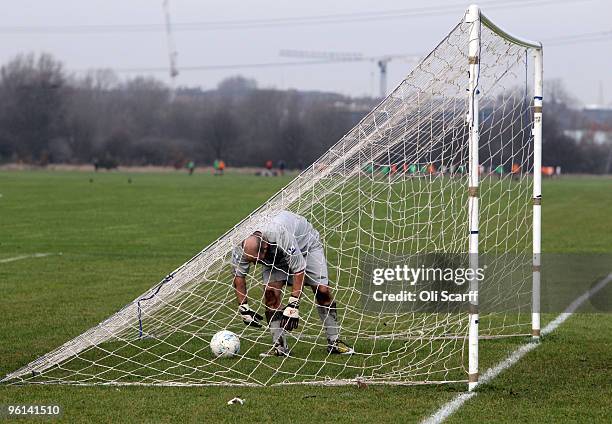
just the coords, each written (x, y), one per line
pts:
(235, 400)
(452, 406)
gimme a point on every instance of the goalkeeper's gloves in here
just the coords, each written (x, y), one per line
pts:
(291, 314)
(249, 316)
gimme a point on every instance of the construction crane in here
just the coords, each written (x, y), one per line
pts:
(172, 53)
(381, 61)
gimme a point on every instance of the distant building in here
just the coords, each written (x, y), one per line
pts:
(597, 114)
(598, 136)
(595, 124)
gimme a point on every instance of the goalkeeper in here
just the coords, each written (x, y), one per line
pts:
(290, 252)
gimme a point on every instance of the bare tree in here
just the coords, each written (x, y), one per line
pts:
(221, 131)
(33, 104)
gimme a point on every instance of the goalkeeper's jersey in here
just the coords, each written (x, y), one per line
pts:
(290, 237)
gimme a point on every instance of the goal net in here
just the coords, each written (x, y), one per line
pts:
(406, 182)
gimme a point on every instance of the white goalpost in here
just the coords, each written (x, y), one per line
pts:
(446, 168)
(475, 19)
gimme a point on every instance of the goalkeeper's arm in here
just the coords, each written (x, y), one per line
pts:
(249, 316)
(298, 282)
(291, 314)
(241, 289)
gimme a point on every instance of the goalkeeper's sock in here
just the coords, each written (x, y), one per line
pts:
(329, 318)
(277, 331)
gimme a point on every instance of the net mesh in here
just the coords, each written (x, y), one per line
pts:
(395, 185)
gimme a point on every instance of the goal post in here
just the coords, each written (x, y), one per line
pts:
(537, 188)
(446, 170)
(472, 18)
(475, 18)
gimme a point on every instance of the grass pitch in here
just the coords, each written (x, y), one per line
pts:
(111, 236)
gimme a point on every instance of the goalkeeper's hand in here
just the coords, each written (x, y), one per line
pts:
(249, 316)
(291, 314)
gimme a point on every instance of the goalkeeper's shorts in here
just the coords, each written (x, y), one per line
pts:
(316, 271)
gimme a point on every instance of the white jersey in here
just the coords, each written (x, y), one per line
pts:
(290, 237)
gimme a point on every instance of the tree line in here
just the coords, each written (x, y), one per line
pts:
(48, 115)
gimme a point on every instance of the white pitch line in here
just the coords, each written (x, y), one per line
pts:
(452, 406)
(18, 258)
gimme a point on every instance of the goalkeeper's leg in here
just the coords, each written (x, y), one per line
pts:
(316, 278)
(326, 307)
(272, 298)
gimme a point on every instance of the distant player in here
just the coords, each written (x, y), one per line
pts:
(191, 167)
(290, 252)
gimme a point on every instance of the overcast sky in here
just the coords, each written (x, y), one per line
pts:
(584, 67)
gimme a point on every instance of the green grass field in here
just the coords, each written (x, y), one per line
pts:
(111, 236)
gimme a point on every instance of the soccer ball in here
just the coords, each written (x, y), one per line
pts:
(225, 344)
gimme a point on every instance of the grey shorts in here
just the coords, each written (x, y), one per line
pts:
(316, 271)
